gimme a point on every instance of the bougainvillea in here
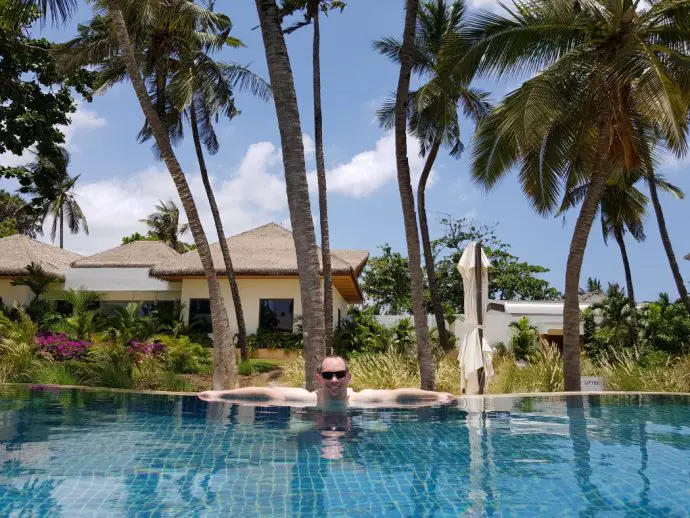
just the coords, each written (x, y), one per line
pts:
(61, 347)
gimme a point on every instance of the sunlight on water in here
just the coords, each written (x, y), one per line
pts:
(78, 453)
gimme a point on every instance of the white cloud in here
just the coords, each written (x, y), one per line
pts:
(253, 195)
(370, 170)
(80, 119)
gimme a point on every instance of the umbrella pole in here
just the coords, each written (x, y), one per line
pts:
(480, 321)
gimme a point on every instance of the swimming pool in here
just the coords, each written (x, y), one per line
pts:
(66, 452)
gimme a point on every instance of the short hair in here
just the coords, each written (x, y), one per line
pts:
(319, 369)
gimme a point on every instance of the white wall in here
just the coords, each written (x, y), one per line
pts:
(116, 279)
(11, 294)
(251, 291)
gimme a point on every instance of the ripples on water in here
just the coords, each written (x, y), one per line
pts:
(72, 453)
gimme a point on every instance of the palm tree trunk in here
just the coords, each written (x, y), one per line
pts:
(618, 235)
(62, 226)
(224, 374)
(426, 245)
(234, 289)
(571, 306)
(666, 240)
(321, 180)
(282, 83)
(426, 361)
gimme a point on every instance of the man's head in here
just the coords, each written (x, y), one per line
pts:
(333, 376)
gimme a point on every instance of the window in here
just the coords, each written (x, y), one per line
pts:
(200, 315)
(276, 314)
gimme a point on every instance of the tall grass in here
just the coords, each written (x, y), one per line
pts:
(387, 370)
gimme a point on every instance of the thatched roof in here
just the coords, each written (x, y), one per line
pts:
(266, 250)
(138, 254)
(18, 251)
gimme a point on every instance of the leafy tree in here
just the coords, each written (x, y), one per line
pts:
(610, 85)
(433, 110)
(386, 283)
(666, 326)
(138, 237)
(523, 343)
(617, 329)
(16, 217)
(53, 193)
(34, 97)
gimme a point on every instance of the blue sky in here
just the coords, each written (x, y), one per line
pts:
(121, 180)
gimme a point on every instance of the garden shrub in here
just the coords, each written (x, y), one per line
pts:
(272, 339)
(54, 373)
(185, 356)
(525, 338)
(361, 332)
(61, 347)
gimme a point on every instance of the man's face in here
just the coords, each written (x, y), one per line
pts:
(331, 368)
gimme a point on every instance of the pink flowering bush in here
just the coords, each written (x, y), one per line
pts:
(147, 348)
(61, 347)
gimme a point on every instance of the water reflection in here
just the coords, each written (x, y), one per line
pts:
(62, 451)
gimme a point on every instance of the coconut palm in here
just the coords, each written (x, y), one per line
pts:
(54, 196)
(433, 112)
(164, 224)
(203, 89)
(287, 112)
(199, 88)
(407, 51)
(610, 79)
(180, 11)
(666, 240)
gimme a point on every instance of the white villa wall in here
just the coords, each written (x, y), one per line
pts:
(11, 294)
(251, 291)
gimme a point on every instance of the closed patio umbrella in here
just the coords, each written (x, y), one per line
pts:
(475, 352)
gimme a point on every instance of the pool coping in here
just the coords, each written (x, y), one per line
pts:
(460, 397)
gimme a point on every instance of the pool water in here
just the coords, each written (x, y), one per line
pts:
(88, 453)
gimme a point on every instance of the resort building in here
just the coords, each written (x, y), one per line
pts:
(152, 273)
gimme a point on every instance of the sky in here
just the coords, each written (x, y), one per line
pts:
(121, 180)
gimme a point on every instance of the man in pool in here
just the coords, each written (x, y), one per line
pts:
(333, 378)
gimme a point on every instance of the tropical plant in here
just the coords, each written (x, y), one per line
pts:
(20, 329)
(360, 332)
(601, 107)
(126, 324)
(86, 318)
(36, 279)
(164, 225)
(53, 193)
(666, 326)
(185, 356)
(433, 110)
(617, 329)
(525, 339)
(287, 112)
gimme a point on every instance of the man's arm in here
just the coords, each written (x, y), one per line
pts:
(403, 396)
(261, 395)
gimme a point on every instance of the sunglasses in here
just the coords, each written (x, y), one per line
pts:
(329, 375)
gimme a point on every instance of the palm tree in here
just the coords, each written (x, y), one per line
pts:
(36, 279)
(203, 89)
(407, 51)
(433, 112)
(164, 225)
(280, 73)
(179, 12)
(666, 240)
(609, 81)
(54, 195)
(199, 88)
